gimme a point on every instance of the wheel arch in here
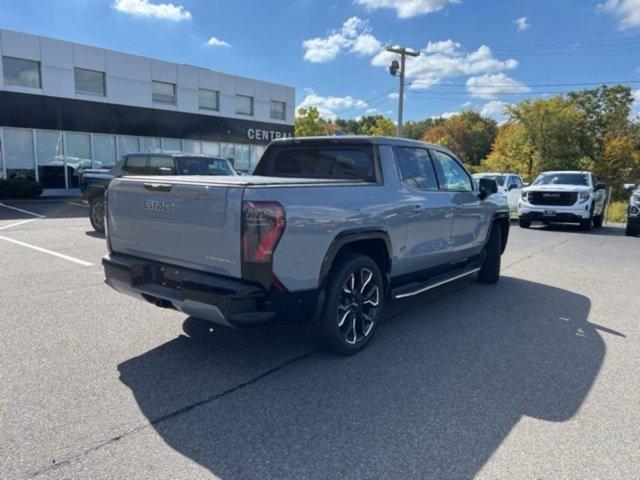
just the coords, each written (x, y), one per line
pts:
(503, 220)
(94, 191)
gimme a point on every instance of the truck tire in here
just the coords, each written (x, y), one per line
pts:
(630, 231)
(524, 223)
(597, 221)
(354, 299)
(490, 270)
(96, 213)
(586, 224)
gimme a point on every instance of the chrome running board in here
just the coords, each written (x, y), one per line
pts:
(436, 282)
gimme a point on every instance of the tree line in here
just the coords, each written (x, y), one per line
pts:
(582, 130)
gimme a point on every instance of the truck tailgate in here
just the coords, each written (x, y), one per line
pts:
(190, 224)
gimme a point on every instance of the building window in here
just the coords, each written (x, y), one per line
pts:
(208, 99)
(164, 93)
(50, 158)
(19, 154)
(104, 147)
(127, 144)
(191, 146)
(244, 105)
(171, 145)
(89, 82)
(278, 110)
(211, 148)
(21, 73)
(150, 144)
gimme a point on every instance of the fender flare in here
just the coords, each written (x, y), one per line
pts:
(94, 191)
(351, 236)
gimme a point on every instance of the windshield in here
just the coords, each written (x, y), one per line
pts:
(498, 178)
(562, 179)
(203, 166)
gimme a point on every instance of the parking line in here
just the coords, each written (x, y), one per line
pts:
(79, 204)
(50, 252)
(21, 222)
(37, 216)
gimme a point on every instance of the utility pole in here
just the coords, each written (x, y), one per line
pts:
(398, 70)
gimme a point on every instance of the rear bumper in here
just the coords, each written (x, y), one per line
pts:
(207, 296)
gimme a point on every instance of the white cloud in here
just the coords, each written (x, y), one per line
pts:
(441, 60)
(330, 107)
(490, 86)
(407, 8)
(354, 36)
(627, 12)
(521, 24)
(636, 101)
(144, 8)
(446, 46)
(216, 42)
(496, 110)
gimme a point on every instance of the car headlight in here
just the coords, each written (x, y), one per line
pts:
(524, 195)
(635, 199)
(584, 196)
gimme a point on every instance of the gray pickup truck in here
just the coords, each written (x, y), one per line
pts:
(325, 230)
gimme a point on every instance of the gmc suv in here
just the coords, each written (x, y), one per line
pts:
(567, 197)
(325, 230)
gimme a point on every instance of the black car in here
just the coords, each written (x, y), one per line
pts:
(633, 213)
(93, 183)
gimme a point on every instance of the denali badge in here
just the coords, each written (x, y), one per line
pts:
(160, 206)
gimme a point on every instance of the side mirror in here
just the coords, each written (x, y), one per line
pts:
(600, 186)
(487, 186)
(629, 186)
(513, 186)
(525, 184)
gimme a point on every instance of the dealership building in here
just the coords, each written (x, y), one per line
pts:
(65, 107)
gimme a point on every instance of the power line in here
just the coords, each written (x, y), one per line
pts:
(581, 84)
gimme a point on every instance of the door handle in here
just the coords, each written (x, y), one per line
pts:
(162, 187)
(417, 208)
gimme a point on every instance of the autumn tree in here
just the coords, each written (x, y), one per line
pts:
(468, 134)
(383, 127)
(513, 152)
(308, 123)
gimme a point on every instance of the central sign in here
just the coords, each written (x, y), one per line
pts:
(268, 135)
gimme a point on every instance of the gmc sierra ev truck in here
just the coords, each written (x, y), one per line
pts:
(326, 230)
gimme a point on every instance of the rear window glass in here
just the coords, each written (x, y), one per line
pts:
(348, 163)
(204, 166)
(161, 166)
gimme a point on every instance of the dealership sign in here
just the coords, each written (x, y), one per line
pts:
(266, 135)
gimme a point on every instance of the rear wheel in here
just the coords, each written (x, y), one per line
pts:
(96, 213)
(586, 224)
(490, 270)
(524, 223)
(353, 305)
(631, 231)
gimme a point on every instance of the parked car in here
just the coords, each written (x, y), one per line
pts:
(633, 214)
(509, 184)
(94, 183)
(325, 230)
(567, 197)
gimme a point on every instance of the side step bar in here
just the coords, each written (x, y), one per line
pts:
(417, 288)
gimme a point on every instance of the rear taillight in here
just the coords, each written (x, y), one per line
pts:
(262, 227)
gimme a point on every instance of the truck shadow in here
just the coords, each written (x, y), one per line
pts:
(433, 396)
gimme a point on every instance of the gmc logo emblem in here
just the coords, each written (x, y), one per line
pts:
(551, 195)
(159, 206)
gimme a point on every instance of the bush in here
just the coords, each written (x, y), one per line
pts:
(617, 212)
(20, 188)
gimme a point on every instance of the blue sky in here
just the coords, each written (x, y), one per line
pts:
(479, 54)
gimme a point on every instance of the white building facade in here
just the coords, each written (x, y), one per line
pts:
(65, 107)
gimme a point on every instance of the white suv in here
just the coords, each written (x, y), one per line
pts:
(509, 185)
(569, 196)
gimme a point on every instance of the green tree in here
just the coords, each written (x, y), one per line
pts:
(414, 130)
(309, 123)
(556, 130)
(468, 134)
(383, 127)
(607, 113)
(512, 152)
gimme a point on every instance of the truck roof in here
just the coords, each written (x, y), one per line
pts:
(355, 139)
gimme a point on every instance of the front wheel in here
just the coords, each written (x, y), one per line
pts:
(96, 213)
(586, 224)
(630, 231)
(353, 305)
(490, 270)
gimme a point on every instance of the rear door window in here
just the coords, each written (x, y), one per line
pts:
(135, 165)
(340, 162)
(160, 165)
(416, 168)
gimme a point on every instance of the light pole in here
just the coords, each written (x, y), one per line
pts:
(398, 70)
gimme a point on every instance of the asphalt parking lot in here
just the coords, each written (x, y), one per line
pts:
(536, 377)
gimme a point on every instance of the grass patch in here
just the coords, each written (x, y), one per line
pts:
(617, 212)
